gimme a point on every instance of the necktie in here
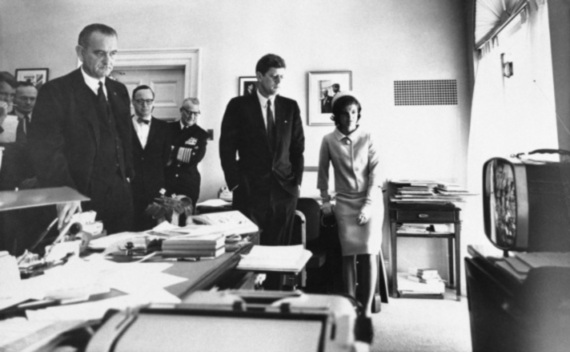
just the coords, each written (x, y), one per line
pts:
(22, 128)
(102, 100)
(142, 120)
(270, 125)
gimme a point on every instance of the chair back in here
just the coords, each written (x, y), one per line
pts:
(312, 211)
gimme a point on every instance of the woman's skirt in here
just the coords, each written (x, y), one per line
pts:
(354, 238)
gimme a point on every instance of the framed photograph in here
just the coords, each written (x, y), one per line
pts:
(247, 85)
(322, 86)
(37, 76)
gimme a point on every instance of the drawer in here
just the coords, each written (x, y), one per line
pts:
(425, 216)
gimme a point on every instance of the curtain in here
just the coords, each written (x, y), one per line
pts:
(509, 115)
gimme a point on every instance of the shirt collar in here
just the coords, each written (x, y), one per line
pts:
(182, 125)
(93, 83)
(340, 136)
(263, 100)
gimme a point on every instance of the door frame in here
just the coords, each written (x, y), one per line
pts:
(188, 58)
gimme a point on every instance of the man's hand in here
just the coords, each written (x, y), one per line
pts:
(65, 211)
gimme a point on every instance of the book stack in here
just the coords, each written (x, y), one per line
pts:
(427, 192)
(188, 246)
(421, 283)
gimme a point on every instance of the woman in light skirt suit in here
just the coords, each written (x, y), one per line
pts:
(358, 201)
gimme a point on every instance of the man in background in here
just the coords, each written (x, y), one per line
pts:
(151, 148)
(261, 151)
(7, 93)
(81, 133)
(188, 147)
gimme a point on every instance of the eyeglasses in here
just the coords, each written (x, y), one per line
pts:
(144, 101)
(189, 112)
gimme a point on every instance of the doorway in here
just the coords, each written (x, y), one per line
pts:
(173, 74)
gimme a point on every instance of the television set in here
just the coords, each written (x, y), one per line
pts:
(526, 204)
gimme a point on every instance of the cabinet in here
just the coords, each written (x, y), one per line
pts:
(436, 213)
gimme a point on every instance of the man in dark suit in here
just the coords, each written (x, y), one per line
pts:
(151, 148)
(81, 133)
(188, 147)
(261, 150)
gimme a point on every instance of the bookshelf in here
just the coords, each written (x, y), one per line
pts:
(441, 216)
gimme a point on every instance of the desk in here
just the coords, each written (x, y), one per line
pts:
(430, 214)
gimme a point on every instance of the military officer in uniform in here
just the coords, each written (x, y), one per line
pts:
(188, 147)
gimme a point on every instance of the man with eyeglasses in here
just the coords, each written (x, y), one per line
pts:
(188, 147)
(151, 149)
(81, 135)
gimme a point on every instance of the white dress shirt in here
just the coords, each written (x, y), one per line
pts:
(142, 129)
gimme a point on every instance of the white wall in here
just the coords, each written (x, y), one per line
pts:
(380, 41)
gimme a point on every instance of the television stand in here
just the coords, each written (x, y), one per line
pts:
(511, 314)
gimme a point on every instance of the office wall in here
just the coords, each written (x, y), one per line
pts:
(379, 41)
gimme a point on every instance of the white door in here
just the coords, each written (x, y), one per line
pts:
(167, 83)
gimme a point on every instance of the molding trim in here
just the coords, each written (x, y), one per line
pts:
(188, 58)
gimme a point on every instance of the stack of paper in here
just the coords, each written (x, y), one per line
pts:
(275, 258)
(210, 245)
(420, 284)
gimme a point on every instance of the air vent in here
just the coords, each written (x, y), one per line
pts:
(425, 92)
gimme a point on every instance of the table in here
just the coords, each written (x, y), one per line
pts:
(445, 213)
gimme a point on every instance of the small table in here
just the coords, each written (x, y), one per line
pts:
(445, 213)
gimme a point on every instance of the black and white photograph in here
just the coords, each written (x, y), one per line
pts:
(322, 87)
(283, 176)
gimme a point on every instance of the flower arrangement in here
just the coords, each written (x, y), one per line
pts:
(174, 209)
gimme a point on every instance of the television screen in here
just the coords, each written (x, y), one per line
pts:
(526, 205)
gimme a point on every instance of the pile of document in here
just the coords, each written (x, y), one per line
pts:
(421, 282)
(189, 246)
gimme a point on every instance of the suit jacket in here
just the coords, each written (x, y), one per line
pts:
(65, 133)
(149, 163)
(244, 135)
(183, 177)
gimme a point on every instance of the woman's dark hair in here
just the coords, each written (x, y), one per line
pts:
(339, 107)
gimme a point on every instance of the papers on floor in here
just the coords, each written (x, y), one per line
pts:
(421, 282)
(275, 258)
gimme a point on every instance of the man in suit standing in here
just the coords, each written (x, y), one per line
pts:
(261, 150)
(81, 134)
(188, 147)
(151, 149)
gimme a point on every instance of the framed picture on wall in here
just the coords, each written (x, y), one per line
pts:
(36, 76)
(247, 85)
(322, 86)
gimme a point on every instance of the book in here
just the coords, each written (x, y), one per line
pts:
(211, 245)
(194, 253)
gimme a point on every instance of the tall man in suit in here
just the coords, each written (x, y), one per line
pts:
(188, 147)
(151, 148)
(81, 134)
(261, 150)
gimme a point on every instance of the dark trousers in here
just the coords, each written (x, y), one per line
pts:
(113, 203)
(273, 211)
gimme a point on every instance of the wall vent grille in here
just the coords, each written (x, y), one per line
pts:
(425, 92)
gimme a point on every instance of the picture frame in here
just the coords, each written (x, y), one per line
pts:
(37, 76)
(246, 85)
(319, 83)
